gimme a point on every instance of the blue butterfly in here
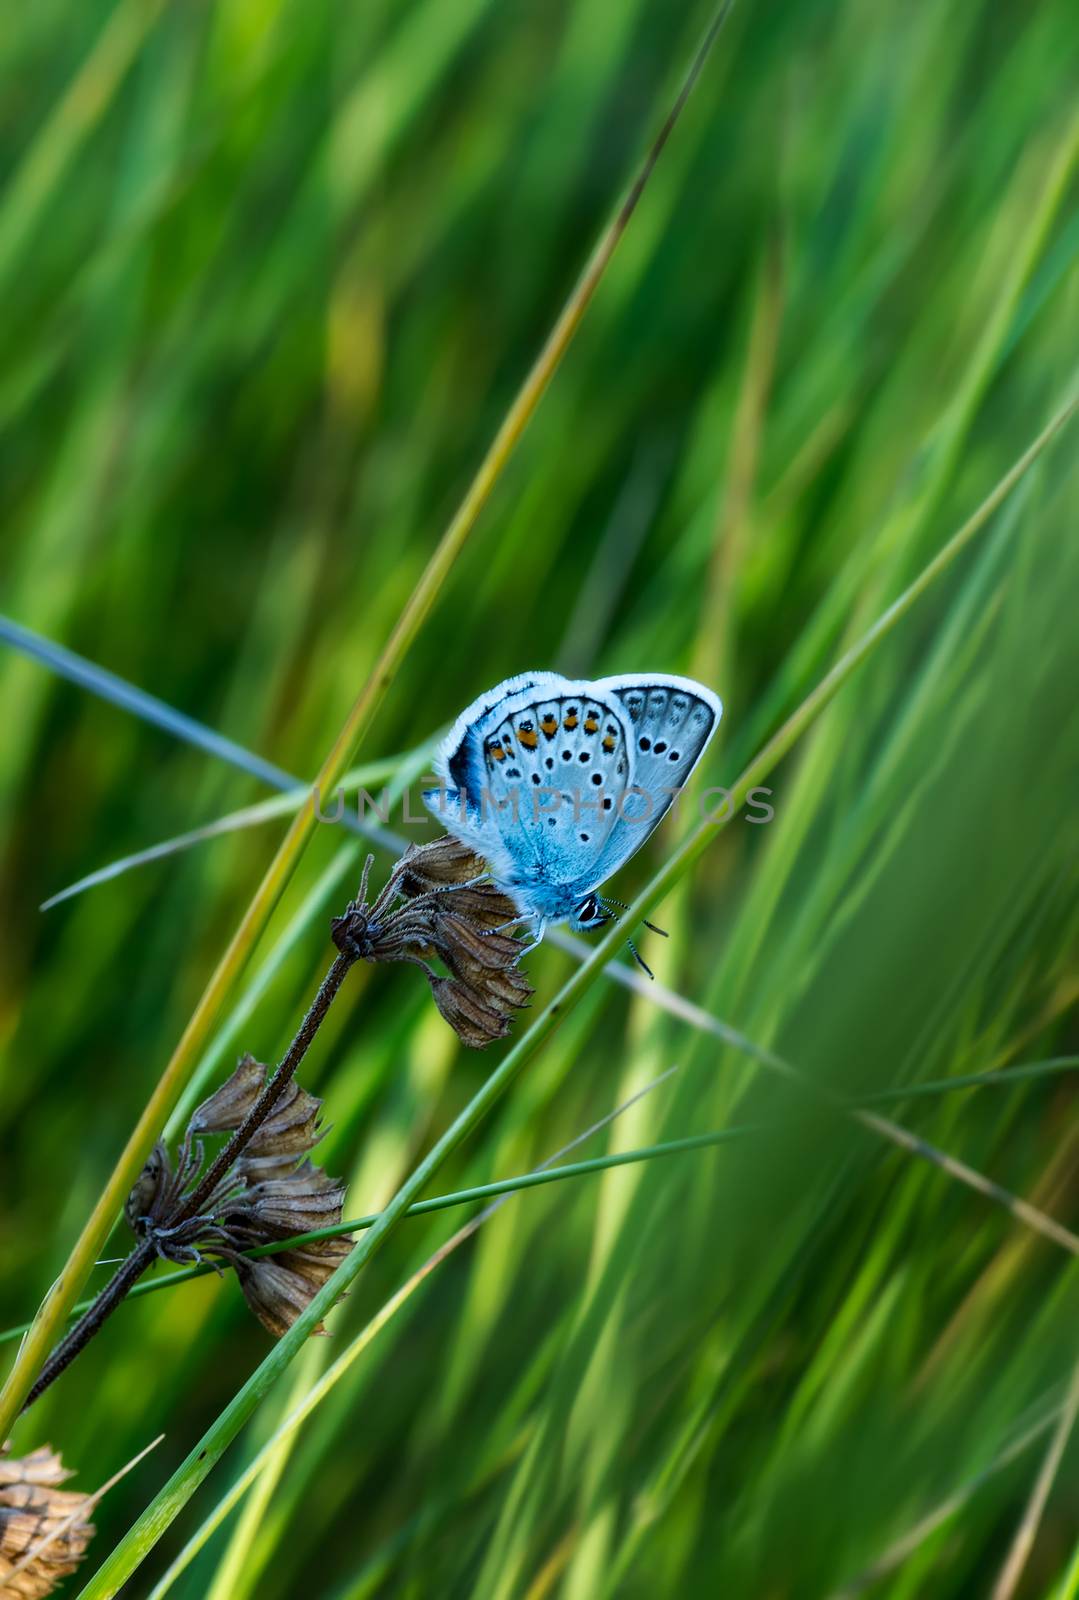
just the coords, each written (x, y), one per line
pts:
(556, 782)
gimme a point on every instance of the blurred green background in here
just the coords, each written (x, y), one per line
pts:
(271, 272)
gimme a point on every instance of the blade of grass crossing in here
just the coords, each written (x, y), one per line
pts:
(175, 1494)
(325, 1384)
(1027, 1532)
(1026, 1072)
(180, 1066)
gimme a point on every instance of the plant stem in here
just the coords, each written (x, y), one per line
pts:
(271, 1092)
(178, 1070)
(484, 1191)
(101, 1308)
(167, 1503)
(132, 1268)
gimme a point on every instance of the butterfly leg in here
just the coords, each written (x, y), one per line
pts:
(514, 922)
(538, 931)
(469, 883)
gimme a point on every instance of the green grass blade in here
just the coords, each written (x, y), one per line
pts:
(62, 1295)
(167, 1503)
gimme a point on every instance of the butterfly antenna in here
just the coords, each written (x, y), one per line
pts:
(608, 900)
(637, 958)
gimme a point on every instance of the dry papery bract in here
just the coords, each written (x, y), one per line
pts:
(439, 904)
(44, 1530)
(271, 1192)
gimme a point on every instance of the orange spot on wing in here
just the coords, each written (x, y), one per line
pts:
(569, 723)
(590, 724)
(608, 743)
(549, 725)
(497, 751)
(529, 740)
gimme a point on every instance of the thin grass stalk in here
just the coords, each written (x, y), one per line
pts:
(443, 1202)
(1026, 1072)
(236, 1573)
(1027, 1531)
(282, 805)
(79, 1514)
(167, 1504)
(328, 1380)
(138, 702)
(1069, 1587)
(53, 1310)
(910, 1541)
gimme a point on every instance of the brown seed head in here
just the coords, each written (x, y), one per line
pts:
(440, 905)
(44, 1530)
(270, 1193)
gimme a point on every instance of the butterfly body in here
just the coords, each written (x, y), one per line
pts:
(556, 782)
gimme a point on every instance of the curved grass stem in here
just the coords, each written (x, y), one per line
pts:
(134, 1265)
(64, 1291)
(597, 1164)
(166, 1505)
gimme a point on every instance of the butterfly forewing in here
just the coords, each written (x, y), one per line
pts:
(555, 770)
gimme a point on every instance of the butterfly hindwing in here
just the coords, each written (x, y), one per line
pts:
(672, 719)
(533, 774)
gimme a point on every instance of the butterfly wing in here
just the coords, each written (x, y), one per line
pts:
(672, 720)
(460, 767)
(535, 772)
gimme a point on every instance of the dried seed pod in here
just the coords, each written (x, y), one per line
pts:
(279, 1287)
(269, 1193)
(475, 1022)
(471, 952)
(508, 988)
(433, 866)
(228, 1106)
(299, 1202)
(44, 1530)
(153, 1182)
(446, 864)
(291, 1128)
(449, 916)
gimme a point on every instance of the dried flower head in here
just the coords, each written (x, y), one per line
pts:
(292, 1128)
(44, 1530)
(269, 1193)
(439, 904)
(278, 1287)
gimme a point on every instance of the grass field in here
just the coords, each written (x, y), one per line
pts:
(273, 273)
